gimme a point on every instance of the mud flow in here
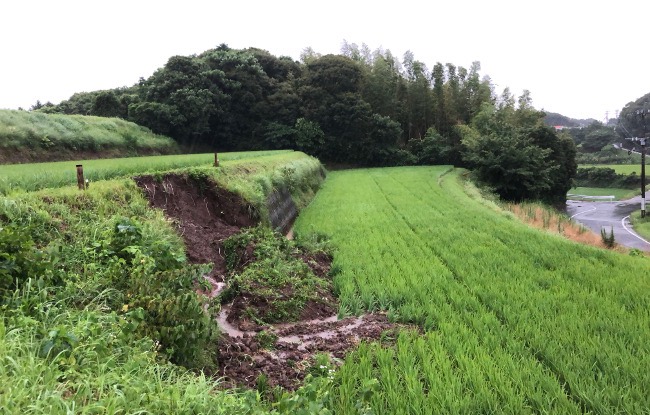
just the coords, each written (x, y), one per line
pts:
(284, 352)
(205, 215)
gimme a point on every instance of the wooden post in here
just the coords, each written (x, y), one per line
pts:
(216, 159)
(80, 177)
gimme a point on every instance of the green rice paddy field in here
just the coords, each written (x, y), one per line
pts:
(35, 176)
(509, 319)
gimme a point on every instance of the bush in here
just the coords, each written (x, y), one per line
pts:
(126, 241)
(157, 287)
(606, 177)
(165, 308)
(20, 260)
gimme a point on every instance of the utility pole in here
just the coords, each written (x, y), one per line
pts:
(643, 176)
(642, 141)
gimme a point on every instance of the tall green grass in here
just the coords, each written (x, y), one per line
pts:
(73, 347)
(35, 176)
(105, 373)
(93, 342)
(36, 136)
(516, 320)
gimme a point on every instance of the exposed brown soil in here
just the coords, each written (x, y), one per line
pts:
(242, 360)
(203, 215)
(319, 262)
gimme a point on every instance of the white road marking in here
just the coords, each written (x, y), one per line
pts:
(630, 232)
(584, 211)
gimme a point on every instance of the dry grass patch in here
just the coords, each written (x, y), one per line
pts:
(543, 217)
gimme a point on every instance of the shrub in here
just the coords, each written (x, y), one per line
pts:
(20, 260)
(157, 287)
(165, 308)
(126, 241)
(606, 177)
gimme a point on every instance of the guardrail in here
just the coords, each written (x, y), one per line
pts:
(586, 197)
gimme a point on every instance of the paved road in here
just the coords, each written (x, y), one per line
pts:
(596, 215)
(618, 146)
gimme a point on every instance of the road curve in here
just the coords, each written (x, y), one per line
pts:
(596, 215)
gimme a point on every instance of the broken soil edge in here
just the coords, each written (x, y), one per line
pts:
(205, 216)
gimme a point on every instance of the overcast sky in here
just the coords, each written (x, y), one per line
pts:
(577, 57)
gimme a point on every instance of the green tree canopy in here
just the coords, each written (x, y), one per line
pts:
(511, 151)
(361, 107)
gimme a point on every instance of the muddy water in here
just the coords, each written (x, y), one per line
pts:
(327, 332)
(217, 286)
(302, 333)
(226, 327)
(312, 330)
(232, 331)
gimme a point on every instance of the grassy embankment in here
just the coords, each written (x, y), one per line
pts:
(33, 137)
(35, 176)
(97, 298)
(641, 225)
(516, 320)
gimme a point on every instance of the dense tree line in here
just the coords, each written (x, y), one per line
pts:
(635, 117)
(361, 107)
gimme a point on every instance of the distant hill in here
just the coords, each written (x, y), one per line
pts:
(553, 118)
(34, 136)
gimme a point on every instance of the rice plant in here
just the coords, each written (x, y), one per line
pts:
(516, 319)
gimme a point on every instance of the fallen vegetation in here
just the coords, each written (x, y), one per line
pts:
(278, 313)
